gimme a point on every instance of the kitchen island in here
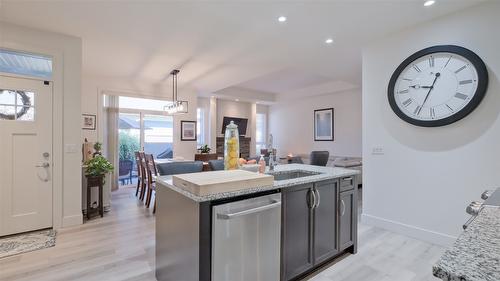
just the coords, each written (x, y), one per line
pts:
(309, 218)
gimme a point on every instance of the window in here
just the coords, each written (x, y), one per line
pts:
(25, 64)
(142, 104)
(200, 126)
(260, 131)
(17, 105)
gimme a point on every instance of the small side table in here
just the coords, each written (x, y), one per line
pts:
(95, 182)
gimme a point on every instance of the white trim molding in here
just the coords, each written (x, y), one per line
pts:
(409, 230)
(72, 220)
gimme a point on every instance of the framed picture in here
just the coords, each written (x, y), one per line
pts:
(88, 121)
(323, 124)
(188, 130)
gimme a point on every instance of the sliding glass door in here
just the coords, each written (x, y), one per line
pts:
(142, 130)
(129, 141)
(158, 135)
(135, 124)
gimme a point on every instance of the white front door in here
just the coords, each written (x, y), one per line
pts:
(25, 155)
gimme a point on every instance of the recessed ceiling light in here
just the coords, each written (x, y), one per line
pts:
(429, 3)
(237, 100)
(329, 41)
(282, 19)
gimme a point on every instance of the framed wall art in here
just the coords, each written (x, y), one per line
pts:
(188, 130)
(323, 124)
(89, 121)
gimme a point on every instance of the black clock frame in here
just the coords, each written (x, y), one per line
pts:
(482, 85)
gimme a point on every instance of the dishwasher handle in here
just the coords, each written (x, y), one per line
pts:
(274, 204)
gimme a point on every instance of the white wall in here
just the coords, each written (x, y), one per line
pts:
(93, 87)
(291, 124)
(67, 64)
(264, 109)
(427, 176)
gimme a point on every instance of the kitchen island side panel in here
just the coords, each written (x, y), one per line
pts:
(177, 236)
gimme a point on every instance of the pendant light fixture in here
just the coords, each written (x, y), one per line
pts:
(176, 106)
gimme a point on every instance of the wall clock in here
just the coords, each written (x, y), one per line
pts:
(438, 86)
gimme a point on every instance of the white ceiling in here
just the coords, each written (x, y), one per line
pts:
(227, 43)
(285, 80)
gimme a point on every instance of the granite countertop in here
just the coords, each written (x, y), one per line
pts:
(475, 256)
(320, 173)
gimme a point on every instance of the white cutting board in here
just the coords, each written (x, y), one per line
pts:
(206, 183)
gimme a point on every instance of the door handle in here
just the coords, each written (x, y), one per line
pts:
(229, 216)
(342, 203)
(43, 165)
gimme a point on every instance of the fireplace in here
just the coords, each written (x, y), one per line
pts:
(244, 147)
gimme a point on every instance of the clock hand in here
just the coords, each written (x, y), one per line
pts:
(420, 87)
(430, 90)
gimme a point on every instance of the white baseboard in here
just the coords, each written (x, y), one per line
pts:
(72, 220)
(409, 230)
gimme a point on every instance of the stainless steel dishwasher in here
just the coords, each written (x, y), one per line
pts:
(246, 239)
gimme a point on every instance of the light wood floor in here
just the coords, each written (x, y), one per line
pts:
(121, 247)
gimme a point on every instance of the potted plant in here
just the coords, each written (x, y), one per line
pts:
(97, 148)
(204, 149)
(97, 168)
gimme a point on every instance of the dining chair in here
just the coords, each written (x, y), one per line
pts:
(125, 171)
(141, 174)
(319, 158)
(216, 165)
(151, 174)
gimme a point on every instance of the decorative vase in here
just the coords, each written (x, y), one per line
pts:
(231, 147)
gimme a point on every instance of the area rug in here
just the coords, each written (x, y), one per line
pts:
(27, 242)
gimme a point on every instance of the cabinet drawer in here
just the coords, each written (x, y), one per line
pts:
(346, 183)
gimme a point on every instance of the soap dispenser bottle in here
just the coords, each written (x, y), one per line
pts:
(262, 164)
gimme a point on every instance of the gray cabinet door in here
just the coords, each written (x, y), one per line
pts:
(347, 219)
(325, 221)
(297, 231)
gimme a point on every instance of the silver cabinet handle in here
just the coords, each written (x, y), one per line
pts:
(319, 198)
(229, 216)
(314, 199)
(469, 222)
(347, 179)
(343, 207)
(43, 165)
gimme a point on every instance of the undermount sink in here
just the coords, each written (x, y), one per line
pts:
(287, 175)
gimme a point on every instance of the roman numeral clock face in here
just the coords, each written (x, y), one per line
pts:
(438, 86)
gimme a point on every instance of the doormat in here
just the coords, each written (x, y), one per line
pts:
(27, 242)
